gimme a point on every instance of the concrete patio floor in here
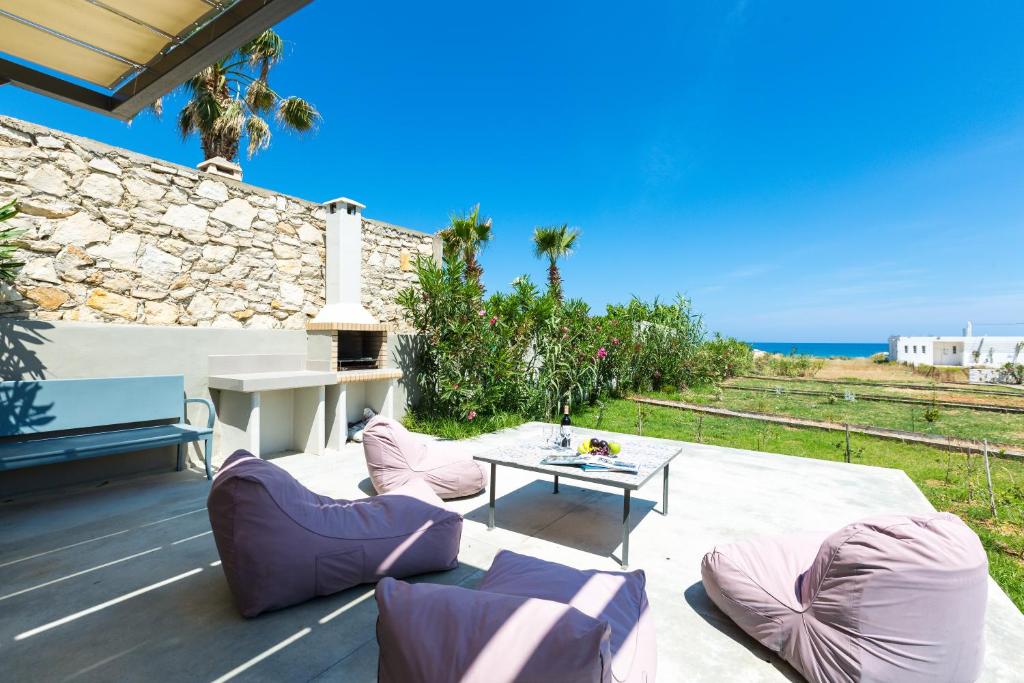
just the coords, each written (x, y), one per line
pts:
(122, 581)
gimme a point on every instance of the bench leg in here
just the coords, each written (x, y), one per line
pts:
(208, 456)
(181, 457)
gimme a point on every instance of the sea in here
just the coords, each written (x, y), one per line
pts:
(823, 349)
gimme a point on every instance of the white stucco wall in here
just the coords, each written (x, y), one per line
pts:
(976, 351)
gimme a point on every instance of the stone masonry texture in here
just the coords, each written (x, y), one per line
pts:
(117, 237)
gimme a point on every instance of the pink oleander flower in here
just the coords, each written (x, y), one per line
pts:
(481, 313)
(470, 415)
(601, 353)
(494, 319)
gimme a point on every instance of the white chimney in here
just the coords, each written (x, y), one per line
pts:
(344, 265)
(969, 330)
(221, 166)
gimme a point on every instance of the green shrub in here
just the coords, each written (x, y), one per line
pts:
(1014, 372)
(524, 352)
(8, 264)
(793, 365)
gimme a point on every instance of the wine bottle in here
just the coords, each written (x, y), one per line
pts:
(564, 430)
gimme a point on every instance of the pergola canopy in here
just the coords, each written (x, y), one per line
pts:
(134, 50)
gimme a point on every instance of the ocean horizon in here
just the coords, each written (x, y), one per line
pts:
(823, 349)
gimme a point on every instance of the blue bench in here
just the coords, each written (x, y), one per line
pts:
(63, 420)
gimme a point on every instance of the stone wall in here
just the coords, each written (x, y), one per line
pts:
(114, 236)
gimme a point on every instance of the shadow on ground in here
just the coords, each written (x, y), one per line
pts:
(699, 601)
(124, 583)
(535, 510)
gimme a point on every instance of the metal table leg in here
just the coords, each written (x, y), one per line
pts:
(556, 484)
(664, 492)
(490, 505)
(625, 529)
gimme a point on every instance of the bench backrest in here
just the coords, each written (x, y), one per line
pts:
(36, 406)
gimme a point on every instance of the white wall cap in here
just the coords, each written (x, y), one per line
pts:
(343, 200)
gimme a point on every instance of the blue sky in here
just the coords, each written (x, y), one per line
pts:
(804, 171)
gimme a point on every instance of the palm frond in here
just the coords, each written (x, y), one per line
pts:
(297, 114)
(231, 122)
(260, 97)
(258, 132)
(267, 47)
(470, 229)
(186, 120)
(554, 242)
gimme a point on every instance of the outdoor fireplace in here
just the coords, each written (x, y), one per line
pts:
(344, 337)
(309, 402)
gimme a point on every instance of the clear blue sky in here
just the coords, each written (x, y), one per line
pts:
(804, 171)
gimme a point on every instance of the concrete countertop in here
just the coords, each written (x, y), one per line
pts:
(249, 382)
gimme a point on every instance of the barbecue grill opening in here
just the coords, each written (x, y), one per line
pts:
(360, 350)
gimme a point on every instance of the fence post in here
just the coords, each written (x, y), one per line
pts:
(988, 476)
(847, 442)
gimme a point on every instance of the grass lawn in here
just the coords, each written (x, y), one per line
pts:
(1010, 397)
(1005, 428)
(952, 482)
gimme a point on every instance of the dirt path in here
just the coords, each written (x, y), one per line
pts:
(944, 443)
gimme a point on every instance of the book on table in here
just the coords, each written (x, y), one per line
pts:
(592, 463)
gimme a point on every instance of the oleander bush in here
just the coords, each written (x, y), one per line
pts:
(524, 352)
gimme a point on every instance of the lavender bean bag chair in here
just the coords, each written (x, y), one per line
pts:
(897, 598)
(429, 633)
(616, 598)
(529, 620)
(395, 457)
(281, 544)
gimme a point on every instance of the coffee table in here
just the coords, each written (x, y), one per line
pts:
(651, 455)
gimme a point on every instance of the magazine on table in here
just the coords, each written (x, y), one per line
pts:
(592, 463)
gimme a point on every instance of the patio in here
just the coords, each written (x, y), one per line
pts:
(121, 582)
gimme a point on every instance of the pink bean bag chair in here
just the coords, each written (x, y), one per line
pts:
(281, 544)
(529, 620)
(897, 598)
(395, 457)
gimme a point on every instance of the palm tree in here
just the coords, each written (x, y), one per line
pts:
(231, 98)
(466, 236)
(554, 242)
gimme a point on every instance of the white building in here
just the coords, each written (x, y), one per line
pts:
(963, 351)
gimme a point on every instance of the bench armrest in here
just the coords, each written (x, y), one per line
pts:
(212, 414)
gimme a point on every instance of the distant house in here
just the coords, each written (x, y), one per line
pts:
(964, 351)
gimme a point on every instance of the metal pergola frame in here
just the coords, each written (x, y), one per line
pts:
(226, 32)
